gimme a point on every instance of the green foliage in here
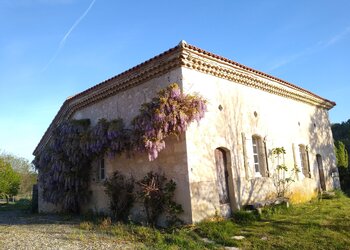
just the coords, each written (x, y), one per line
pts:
(278, 151)
(157, 197)
(9, 180)
(341, 135)
(120, 190)
(341, 132)
(341, 154)
(26, 171)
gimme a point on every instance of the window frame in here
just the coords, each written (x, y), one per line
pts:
(259, 157)
(304, 160)
(102, 170)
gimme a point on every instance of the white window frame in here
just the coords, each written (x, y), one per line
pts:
(256, 156)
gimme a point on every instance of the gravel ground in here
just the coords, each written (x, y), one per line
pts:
(19, 230)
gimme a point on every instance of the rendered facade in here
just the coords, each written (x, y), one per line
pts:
(225, 161)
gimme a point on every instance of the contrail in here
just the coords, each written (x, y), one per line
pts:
(321, 45)
(64, 39)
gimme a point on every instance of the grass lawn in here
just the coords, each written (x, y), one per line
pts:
(320, 224)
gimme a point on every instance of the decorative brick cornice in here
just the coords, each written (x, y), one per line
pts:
(208, 63)
(191, 57)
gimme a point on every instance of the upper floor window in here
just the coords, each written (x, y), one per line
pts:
(259, 154)
(304, 160)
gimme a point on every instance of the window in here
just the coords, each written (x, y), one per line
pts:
(259, 154)
(102, 170)
(304, 160)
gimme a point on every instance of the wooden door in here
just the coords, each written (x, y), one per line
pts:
(222, 176)
(321, 172)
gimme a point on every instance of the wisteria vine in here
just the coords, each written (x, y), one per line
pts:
(65, 164)
(169, 113)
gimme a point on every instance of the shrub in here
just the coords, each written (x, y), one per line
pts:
(120, 191)
(157, 197)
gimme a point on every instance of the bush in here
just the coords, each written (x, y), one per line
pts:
(157, 197)
(120, 190)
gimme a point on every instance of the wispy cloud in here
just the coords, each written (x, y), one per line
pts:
(64, 39)
(336, 38)
(321, 45)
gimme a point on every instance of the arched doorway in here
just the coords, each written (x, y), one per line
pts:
(321, 172)
(222, 161)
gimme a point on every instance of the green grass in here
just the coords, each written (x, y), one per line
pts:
(319, 224)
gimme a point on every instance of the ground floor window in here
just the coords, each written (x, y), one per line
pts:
(259, 155)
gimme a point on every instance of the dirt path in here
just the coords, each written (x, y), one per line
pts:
(19, 230)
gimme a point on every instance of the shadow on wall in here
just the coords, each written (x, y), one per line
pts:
(223, 130)
(237, 118)
(321, 149)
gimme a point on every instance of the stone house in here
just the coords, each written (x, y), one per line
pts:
(225, 161)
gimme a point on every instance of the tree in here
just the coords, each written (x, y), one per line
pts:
(9, 180)
(341, 136)
(341, 154)
(25, 169)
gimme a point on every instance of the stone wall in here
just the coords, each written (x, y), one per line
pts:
(236, 113)
(172, 161)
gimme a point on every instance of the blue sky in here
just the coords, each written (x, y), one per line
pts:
(52, 49)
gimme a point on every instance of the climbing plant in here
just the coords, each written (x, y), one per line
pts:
(65, 163)
(169, 113)
(65, 167)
